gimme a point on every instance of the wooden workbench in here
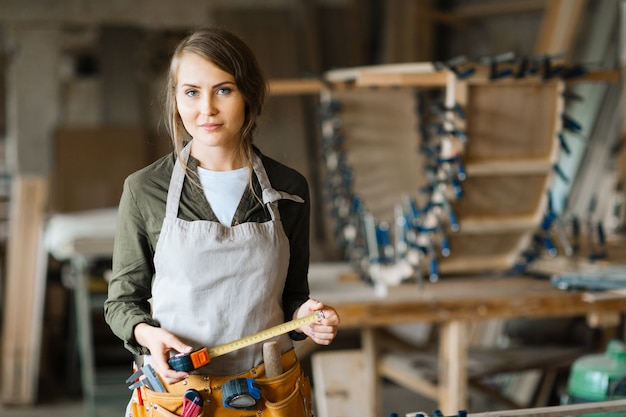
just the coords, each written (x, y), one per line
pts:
(452, 304)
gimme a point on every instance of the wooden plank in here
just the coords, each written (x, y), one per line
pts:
(502, 224)
(598, 76)
(338, 383)
(468, 298)
(513, 122)
(401, 370)
(25, 290)
(294, 86)
(521, 167)
(560, 26)
(427, 79)
(418, 370)
(492, 196)
(559, 410)
(351, 74)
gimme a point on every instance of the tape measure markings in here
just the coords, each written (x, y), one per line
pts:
(265, 334)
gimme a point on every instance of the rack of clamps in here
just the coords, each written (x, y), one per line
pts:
(412, 247)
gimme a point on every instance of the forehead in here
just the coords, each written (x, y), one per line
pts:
(195, 68)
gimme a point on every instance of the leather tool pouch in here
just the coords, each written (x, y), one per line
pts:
(286, 395)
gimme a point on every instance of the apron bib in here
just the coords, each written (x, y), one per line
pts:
(215, 284)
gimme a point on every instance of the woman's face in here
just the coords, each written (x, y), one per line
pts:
(209, 103)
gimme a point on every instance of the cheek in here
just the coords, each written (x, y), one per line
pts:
(241, 114)
(186, 112)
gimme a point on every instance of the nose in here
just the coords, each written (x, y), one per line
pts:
(209, 106)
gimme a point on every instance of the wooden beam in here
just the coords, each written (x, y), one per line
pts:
(294, 86)
(461, 16)
(25, 290)
(599, 76)
(560, 25)
(559, 410)
(351, 74)
(432, 79)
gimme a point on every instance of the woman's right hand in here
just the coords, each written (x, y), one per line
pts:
(160, 343)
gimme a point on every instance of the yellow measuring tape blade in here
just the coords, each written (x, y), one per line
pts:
(265, 334)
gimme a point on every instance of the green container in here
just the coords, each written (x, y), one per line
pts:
(599, 377)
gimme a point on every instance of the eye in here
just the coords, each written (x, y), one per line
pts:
(224, 91)
(191, 93)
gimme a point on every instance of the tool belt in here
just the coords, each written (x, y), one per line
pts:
(286, 395)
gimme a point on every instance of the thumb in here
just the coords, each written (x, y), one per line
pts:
(310, 307)
(315, 305)
(180, 347)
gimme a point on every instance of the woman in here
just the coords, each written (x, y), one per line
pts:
(212, 240)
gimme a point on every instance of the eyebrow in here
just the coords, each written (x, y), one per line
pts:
(214, 86)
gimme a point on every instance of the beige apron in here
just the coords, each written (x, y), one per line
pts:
(214, 284)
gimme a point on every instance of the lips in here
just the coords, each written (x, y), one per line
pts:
(210, 126)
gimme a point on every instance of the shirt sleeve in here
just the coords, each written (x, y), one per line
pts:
(129, 290)
(296, 220)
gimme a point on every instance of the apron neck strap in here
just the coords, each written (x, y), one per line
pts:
(270, 196)
(176, 182)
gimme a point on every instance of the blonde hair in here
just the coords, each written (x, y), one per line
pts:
(229, 53)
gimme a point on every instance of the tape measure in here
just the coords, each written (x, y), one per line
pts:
(241, 393)
(187, 362)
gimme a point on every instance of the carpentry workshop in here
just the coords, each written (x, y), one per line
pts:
(417, 208)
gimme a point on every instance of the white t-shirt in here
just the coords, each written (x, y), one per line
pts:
(223, 191)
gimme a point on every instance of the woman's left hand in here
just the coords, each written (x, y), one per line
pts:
(324, 331)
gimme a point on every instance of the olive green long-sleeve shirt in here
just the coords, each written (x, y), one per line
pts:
(140, 216)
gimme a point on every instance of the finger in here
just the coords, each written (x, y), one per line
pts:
(160, 364)
(330, 318)
(315, 304)
(312, 305)
(176, 344)
(321, 340)
(324, 328)
(326, 332)
(171, 377)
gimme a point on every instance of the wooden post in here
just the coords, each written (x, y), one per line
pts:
(25, 291)
(371, 381)
(453, 367)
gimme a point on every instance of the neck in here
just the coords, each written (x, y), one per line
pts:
(218, 158)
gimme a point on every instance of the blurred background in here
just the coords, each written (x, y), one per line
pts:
(82, 81)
